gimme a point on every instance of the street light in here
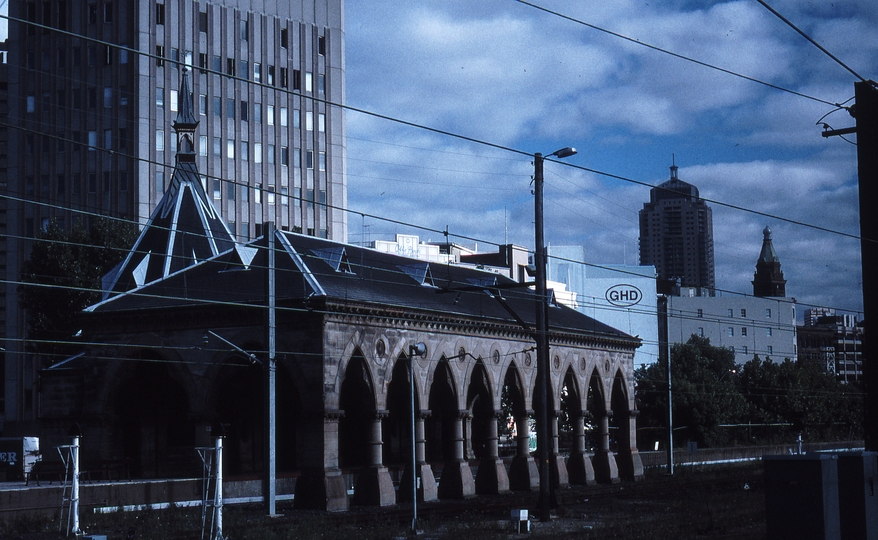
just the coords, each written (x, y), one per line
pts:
(418, 349)
(543, 381)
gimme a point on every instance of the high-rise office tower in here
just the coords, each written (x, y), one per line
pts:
(676, 236)
(96, 86)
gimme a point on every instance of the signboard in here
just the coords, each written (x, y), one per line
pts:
(623, 295)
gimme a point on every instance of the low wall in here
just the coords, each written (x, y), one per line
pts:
(20, 500)
(706, 456)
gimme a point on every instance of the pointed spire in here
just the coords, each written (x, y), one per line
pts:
(768, 279)
(185, 123)
(185, 228)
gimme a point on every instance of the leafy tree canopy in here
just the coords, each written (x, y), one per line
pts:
(63, 276)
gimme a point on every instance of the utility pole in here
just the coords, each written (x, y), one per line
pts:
(269, 484)
(865, 111)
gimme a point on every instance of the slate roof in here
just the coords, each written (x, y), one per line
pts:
(767, 254)
(309, 267)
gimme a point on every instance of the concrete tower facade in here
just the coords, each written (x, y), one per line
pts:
(98, 82)
(676, 236)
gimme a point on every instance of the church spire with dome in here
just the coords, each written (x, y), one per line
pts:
(768, 279)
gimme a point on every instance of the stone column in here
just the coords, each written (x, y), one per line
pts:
(627, 457)
(557, 466)
(492, 478)
(469, 454)
(523, 472)
(605, 469)
(579, 468)
(321, 485)
(374, 486)
(457, 478)
(427, 490)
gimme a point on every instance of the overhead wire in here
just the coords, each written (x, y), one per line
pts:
(435, 131)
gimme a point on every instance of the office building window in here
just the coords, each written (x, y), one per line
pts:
(269, 115)
(269, 153)
(731, 332)
(230, 192)
(270, 194)
(159, 181)
(257, 113)
(744, 349)
(743, 312)
(202, 104)
(202, 62)
(700, 313)
(321, 122)
(230, 109)
(244, 69)
(230, 66)
(230, 149)
(285, 155)
(257, 152)
(245, 151)
(297, 119)
(173, 97)
(108, 97)
(297, 80)
(123, 181)
(92, 140)
(257, 72)
(257, 194)
(768, 313)
(768, 332)
(321, 84)
(321, 161)
(770, 350)
(743, 330)
(283, 116)
(731, 312)
(92, 183)
(160, 98)
(160, 14)
(309, 121)
(307, 81)
(244, 26)
(309, 159)
(216, 189)
(160, 55)
(270, 75)
(284, 196)
(108, 139)
(159, 140)
(218, 107)
(244, 111)
(321, 45)
(31, 103)
(217, 145)
(284, 38)
(284, 78)
(700, 331)
(123, 56)
(202, 21)
(202, 145)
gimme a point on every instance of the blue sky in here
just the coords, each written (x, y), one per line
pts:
(509, 74)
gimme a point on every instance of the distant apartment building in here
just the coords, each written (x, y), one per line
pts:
(833, 341)
(96, 86)
(676, 236)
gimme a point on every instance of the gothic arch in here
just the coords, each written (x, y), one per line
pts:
(357, 400)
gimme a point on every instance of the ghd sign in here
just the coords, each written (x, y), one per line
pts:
(624, 295)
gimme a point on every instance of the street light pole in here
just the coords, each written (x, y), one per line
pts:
(543, 382)
(418, 349)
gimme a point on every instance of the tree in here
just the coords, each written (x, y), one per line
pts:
(63, 276)
(704, 392)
